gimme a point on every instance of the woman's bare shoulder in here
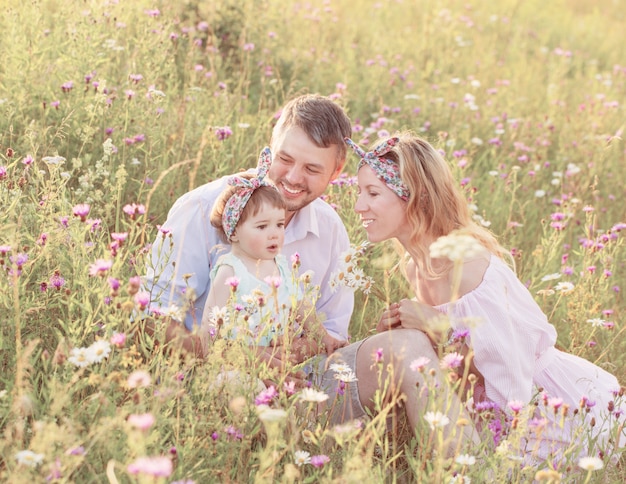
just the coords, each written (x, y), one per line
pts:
(473, 272)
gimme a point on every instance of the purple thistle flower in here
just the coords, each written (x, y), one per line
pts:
(67, 86)
(57, 281)
(133, 210)
(142, 299)
(19, 260)
(223, 132)
(233, 433)
(233, 282)
(81, 210)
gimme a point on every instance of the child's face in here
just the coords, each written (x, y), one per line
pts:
(260, 236)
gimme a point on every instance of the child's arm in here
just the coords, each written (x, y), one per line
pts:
(219, 294)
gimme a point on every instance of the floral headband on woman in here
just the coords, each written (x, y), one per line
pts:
(245, 187)
(385, 169)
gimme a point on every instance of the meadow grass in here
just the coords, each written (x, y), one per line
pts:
(110, 110)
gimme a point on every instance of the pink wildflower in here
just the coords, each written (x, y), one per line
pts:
(152, 466)
(451, 361)
(118, 339)
(266, 396)
(81, 210)
(141, 421)
(319, 460)
(138, 379)
(233, 282)
(100, 267)
(142, 299)
(419, 364)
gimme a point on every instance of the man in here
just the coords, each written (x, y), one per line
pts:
(308, 152)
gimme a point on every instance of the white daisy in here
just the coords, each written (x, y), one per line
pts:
(312, 395)
(590, 463)
(436, 419)
(301, 457)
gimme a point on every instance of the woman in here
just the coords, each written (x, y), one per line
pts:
(407, 192)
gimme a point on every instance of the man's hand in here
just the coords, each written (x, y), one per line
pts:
(279, 360)
(177, 336)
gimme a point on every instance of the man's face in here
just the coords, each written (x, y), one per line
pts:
(300, 169)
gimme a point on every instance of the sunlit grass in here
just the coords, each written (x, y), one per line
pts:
(124, 106)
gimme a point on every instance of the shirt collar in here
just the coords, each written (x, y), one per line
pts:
(304, 221)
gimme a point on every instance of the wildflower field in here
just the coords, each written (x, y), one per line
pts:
(111, 109)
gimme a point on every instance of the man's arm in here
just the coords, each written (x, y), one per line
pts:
(181, 257)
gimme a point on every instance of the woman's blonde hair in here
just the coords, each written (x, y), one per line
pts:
(436, 206)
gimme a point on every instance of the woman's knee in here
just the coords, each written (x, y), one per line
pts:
(401, 342)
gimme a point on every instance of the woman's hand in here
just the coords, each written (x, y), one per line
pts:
(417, 315)
(389, 319)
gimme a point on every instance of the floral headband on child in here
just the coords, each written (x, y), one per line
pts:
(245, 187)
(385, 169)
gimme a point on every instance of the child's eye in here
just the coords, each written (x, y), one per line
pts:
(281, 224)
(262, 226)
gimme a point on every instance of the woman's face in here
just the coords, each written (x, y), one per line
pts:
(383, 213)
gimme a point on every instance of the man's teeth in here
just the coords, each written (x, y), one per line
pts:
(366, 222)
(289, 190)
